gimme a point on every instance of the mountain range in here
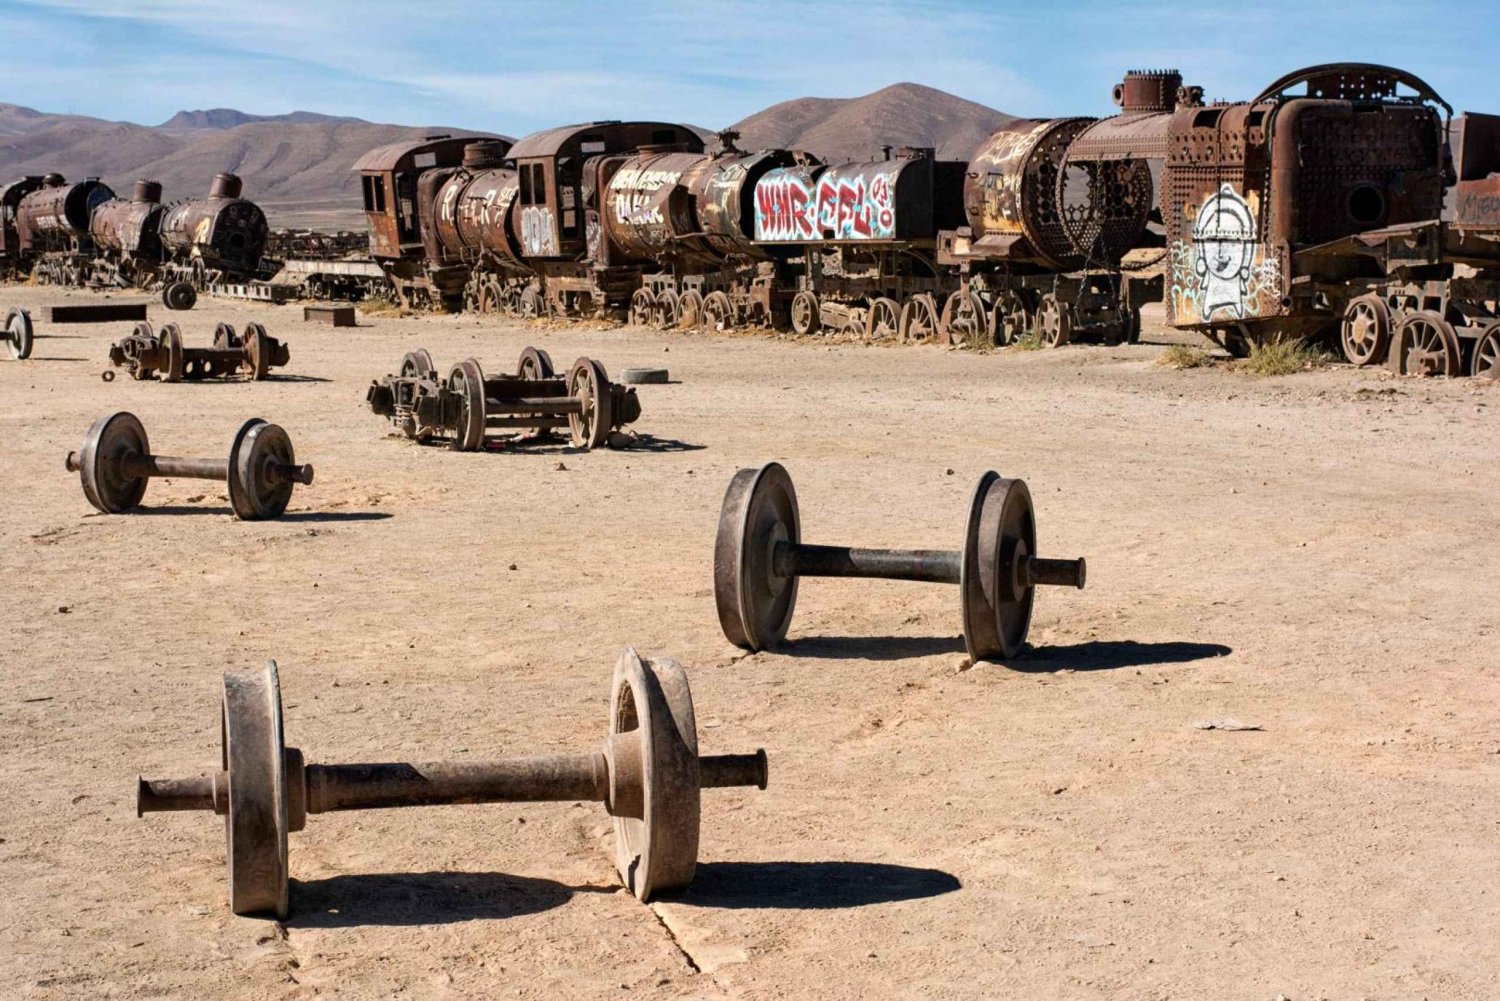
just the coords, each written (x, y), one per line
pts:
(297, 165)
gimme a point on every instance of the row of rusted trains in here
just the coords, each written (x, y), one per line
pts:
(84, 234)
(1343, 201)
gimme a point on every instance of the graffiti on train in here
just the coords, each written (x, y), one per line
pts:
(847, 204)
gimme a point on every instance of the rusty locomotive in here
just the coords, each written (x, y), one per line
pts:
(82, 234)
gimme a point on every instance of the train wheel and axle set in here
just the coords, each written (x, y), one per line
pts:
(115, 464)
(19, 334)
(648, 774)
(145, 354)
(463, 407)
(759, 557)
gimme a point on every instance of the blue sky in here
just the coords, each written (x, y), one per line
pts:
(513, 67)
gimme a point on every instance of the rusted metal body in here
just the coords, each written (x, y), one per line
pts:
(216, 239)
(52, 229)
(759, 557)
(106, 312)
(145, 354)
(115, 464)
(333, 315)
(395, 215)
(127, 235)
(689, 220)
(463, 406)
(648, 774)
(862, 238)
(12, 257)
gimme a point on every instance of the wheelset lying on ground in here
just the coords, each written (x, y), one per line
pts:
(648, 774)
(465, 405)
(145, 354)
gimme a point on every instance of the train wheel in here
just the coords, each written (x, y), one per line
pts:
(883, 321)
(689, 308)
(1130, 327)
(466, 380)
(179, 295)
(963, 318)
(918, 320)
(1054, 323)
(717, 313)
(805, 318)
(668, 309)
(642, 306)
(1425, 345)
(489, 298)
(1486, 360)
(1366, 330)
(531, 303)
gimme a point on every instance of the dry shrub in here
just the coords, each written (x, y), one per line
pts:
(1284, 357)
(1184, 356)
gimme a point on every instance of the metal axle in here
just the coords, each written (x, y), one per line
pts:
(547, 778)
(146, 466)
(936, 566)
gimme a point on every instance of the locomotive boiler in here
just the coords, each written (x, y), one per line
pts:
(218, 238)
(126, 233)
(52, 227)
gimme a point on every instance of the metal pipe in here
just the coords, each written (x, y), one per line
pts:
(380, 786)
(138, 466)
(1056, 573)
(935, 566)
(535, 405)
(164, 795)
(720, 771)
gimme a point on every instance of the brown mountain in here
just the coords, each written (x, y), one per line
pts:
(296, 166)
(903, 114)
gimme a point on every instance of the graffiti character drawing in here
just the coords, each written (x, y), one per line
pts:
(1224, 253)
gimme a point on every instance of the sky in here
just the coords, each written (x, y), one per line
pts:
(514, 67)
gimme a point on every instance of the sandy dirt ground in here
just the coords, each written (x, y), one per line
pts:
(1315, 554)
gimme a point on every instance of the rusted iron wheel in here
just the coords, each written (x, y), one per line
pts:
(1365, 331)
(256, 823)
(1010, 318)
(110, 441)
(1486, 359)
(490, 298)
(651, 720)
(532, 305)
(254, 493)
(466, 379)
(19, 334)
(1000, 533)
(760, 509)
(179, 295)
(1425, 344)
(171, 340)
(1130, 326)
(919, 319)
(690, 309)
(510, 302)
(534, 364)
(588, 382)
(258, 351)
(224, 336)
(1054, 322)
(665, 314)
(883, 321)
(717, 313)
(642, 308)
(805, 318)
(963, 318)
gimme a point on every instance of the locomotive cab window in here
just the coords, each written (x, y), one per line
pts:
(524, 171)
(374, 193)
(663, 137)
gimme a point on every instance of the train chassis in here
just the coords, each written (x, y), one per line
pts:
(1446, 327)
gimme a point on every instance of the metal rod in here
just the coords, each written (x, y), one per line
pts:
(720, 771)
(535, 405)
(525, 422)
(936, 566)
(380, 786)
(163, 795)
(1057, 573)
(138, 466)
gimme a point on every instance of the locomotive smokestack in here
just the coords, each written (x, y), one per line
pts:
(147, 191)
(1148, 91)
(484, 154)
(226, 186)
(885, 151)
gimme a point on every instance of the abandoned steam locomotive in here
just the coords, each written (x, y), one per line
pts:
(1314, 209)
(82, 234)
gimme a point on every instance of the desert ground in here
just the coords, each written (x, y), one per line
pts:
(1317, 555)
